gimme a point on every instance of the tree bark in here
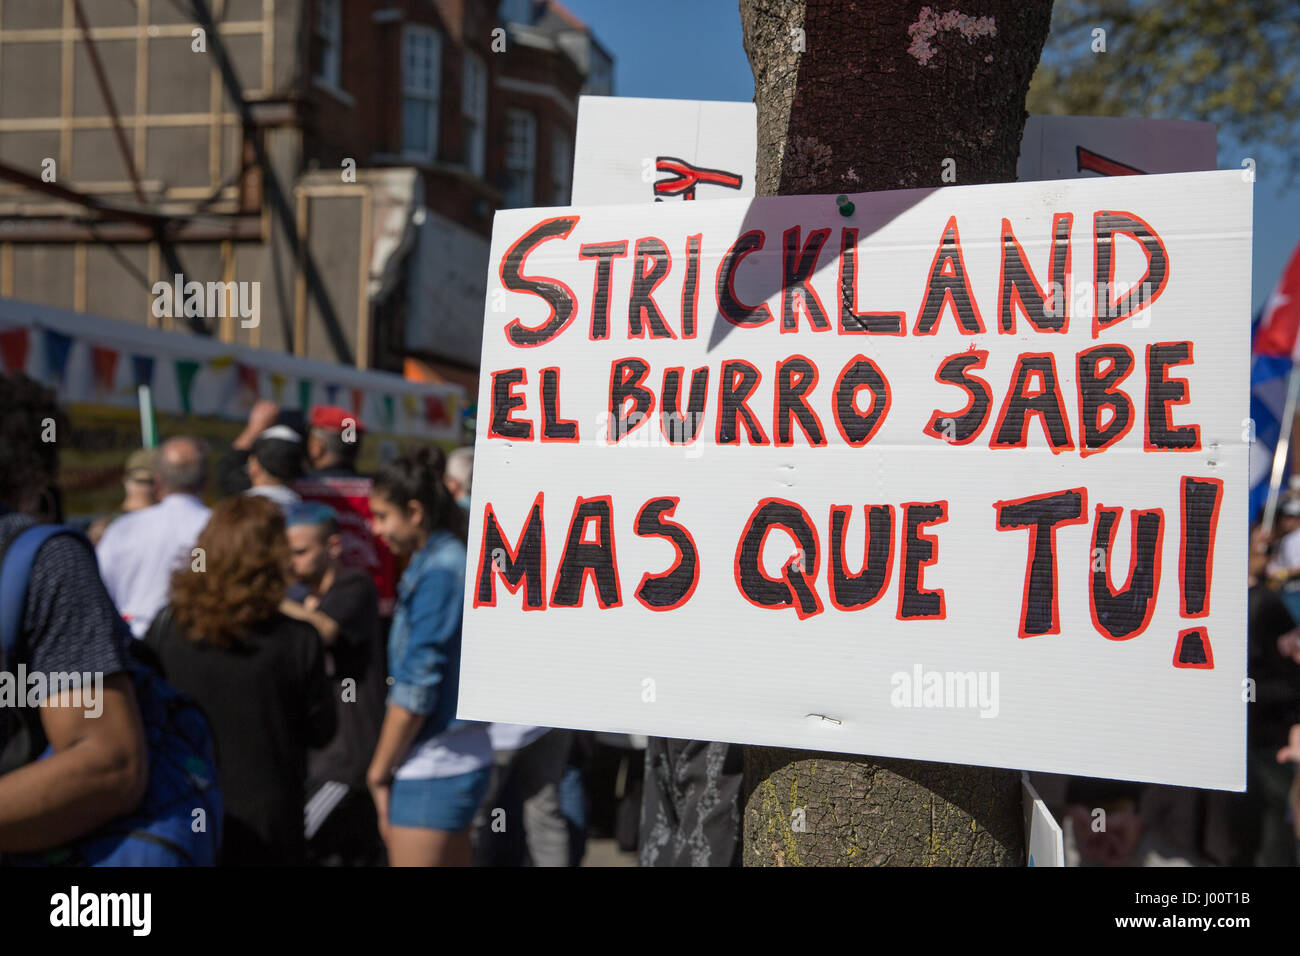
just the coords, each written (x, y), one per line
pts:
(855, 97)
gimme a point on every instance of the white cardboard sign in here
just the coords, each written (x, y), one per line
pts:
(1044, 838)
(631, 149)
(1066, 147)
(1055, 483)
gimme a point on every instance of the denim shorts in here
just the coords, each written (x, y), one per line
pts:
(438, 803)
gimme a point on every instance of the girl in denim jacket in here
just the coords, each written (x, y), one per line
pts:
(430, 771)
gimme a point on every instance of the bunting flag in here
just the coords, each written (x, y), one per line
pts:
(13, 349)
(57, 349)
(435, 412)
(142, 370)
(103, 364)
(186, 369)
(1278, 328)
(1275, 344)
(1268, 386)
(249, 386)
(233, 382)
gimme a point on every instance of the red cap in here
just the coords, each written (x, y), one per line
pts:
(333, 418)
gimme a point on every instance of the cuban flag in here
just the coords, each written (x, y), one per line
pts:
(1275, 346)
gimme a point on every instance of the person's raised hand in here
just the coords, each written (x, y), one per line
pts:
(263, 414)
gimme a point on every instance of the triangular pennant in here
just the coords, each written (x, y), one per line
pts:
(222, 361)
(435, 412)
(1193, 649)
(57, 349)
(103, 364)
(13, 349)
(410, 405)
(186, 369)
(331, 393)
(248, 381)
(142, 369)
(357, 398)
(304, 393)
(388, 411)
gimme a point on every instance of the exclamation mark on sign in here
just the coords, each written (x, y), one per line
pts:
(1200, 503)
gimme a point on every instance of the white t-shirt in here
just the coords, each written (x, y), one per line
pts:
(1287, 559)
(513, 736)
(140, 550)
(451, 753)
(282, 495)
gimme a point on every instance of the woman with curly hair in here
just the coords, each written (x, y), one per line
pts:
(430, 771)
(257, 674)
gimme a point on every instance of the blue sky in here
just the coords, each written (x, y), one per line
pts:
(656, 56)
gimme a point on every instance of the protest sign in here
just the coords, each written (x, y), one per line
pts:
(960, 476)
(1065, 147)
(1044, 839)
(631, 149)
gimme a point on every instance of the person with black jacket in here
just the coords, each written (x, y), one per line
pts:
(258, 675)
(343, 606)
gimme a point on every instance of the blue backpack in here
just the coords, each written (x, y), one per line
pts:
(182, 767)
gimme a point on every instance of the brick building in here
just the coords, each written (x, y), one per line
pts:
(348, 155)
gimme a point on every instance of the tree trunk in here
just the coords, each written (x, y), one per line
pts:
(854, 97)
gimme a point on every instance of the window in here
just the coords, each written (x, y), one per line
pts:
(329, 31)
(516, 11)
(421, 88)
(521, 153)
(474, 112)
(561, 167)
(600, 73)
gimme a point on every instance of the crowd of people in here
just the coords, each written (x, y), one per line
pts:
(328, 679)
(313, 615)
